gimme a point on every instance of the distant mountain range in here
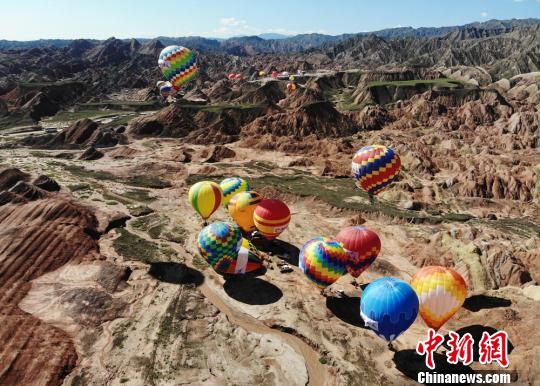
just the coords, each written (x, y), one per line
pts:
(278, 43)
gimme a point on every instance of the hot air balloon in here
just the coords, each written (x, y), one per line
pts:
(271, 217)
(231, 76)
(375, 167)
(292, 78)
(291, 86)
(219, 244)
(275, 74)
(231, 186)
(238, 76)
(363, 246)
(285, 73)
(241, 209)
(166, 90)
(262, 73)
(205, 197)
(301, 262)
(247, 260)
(323, 261)
(442, 292)
(160, 83)
(178, 65)
(389, 306)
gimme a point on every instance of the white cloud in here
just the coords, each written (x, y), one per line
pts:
(483, 14)
(231, 26)
(232, 22)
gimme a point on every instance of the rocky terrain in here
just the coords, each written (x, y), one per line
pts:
(101, 280)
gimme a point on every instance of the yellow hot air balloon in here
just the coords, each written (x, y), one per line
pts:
(205, 197)
(241, 208)
(441, 291)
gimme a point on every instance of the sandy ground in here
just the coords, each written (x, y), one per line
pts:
(221, 334)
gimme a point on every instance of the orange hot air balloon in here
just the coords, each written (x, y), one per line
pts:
(271, 217)
(441, 291)
(241, 209)
(291, 86)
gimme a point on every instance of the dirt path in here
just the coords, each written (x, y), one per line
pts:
(317, 372)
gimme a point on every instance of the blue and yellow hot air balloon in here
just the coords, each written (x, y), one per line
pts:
(178, 65)
(219, 244)
(231, 186)
(323, 261)
(389, 306)
(205, 197)
(375, 167)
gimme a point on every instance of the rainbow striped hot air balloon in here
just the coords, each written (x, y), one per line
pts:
(241, 209)
(271, 217)
(442, 292)
(178, 65)
(205, 197)
(375, 167)
(389, 306)
(323, 261)
(363, 246)
(231, 186)
(219, 244)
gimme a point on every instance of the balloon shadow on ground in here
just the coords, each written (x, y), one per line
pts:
(242, 276)
(480, 302)
(175, 273)
(476, 331)
(282, 249)
(410, 364)
(346, 309)
(252, 291)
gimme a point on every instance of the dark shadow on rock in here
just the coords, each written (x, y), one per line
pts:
(279, 248)
(480, 302)
(175, 273)
(476, 331)
(346, 309)
(253, 291)
(258, 272)
(410, 364)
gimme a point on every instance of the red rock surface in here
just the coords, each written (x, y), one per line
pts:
(37, 237)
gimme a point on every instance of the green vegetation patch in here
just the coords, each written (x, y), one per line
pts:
(441, 82)
(153, 224)
(147, 182)
(134, 247)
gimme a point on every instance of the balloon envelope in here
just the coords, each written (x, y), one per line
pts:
(205, 197)
(271, 217)
(363, 246)
(219, 243)
(323, 261)
(248, 259)
(241, 209)
(442, 292)
(178, 65)
(291, 86)
(375, 167)
(231, 186)
(389, 306)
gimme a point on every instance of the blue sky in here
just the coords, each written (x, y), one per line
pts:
(34, 19)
